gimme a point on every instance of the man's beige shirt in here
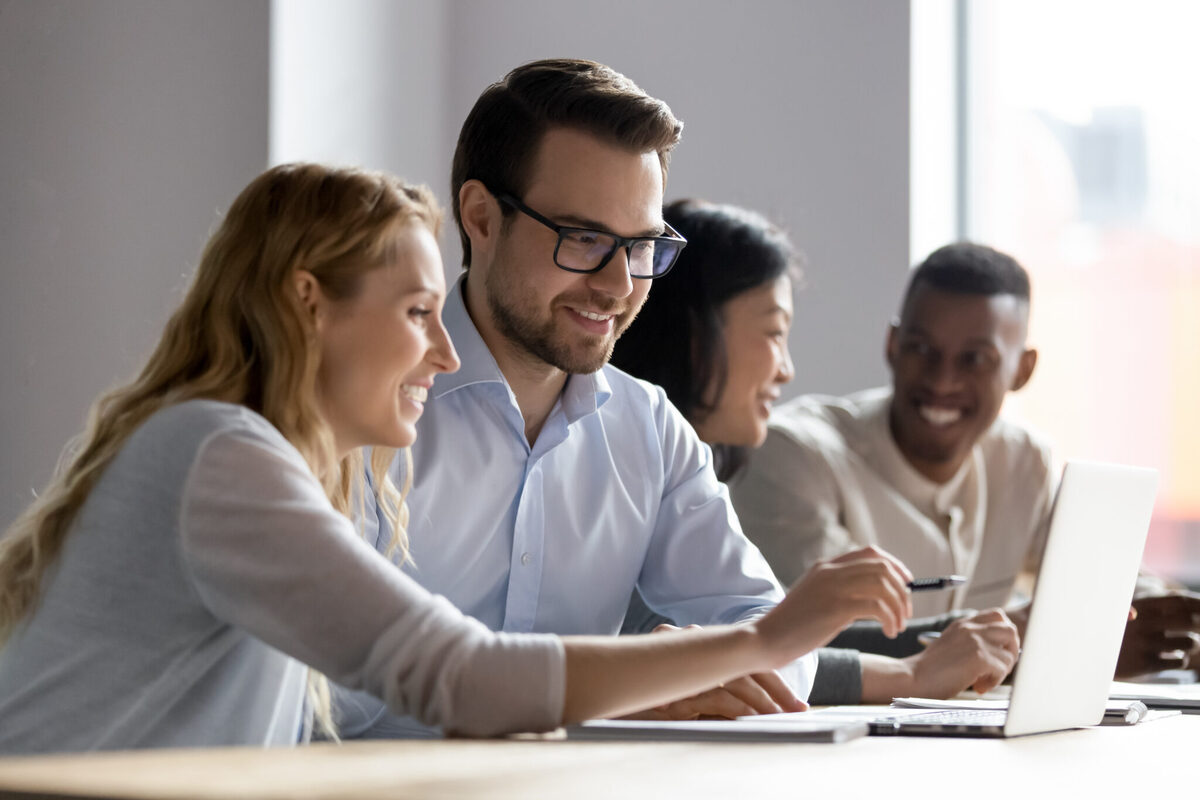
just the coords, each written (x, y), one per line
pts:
(830, 479)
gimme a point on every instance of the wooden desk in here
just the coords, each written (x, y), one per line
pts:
(1097, 762)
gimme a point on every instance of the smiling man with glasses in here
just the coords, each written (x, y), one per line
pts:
(547, 484)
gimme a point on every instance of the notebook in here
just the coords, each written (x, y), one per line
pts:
(1077, 618)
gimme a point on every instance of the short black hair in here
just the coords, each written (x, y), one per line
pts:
(970, 268)
(677, 340)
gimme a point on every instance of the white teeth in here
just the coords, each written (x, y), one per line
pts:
(940, 416)
(418, 393)
(590, 315)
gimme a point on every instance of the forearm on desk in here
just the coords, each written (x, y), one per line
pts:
(609, 676)
(864, 666)
(641, 619)
(848, 677)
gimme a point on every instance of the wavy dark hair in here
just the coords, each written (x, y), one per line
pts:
(677, 340)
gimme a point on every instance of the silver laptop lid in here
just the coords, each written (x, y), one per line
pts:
(1085, 583)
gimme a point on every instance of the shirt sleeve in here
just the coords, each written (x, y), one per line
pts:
(1040, 465)
(1148, 584)
(789, 503)
(839, 678)
(699, 566)
(269, 554)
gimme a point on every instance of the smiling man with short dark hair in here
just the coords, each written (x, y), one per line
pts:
(929, 469)
(925, 469)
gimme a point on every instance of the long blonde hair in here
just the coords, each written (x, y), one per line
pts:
(241, 335)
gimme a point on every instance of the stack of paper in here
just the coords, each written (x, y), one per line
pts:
(1182, 697)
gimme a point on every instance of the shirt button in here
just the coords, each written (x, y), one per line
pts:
(525, 559)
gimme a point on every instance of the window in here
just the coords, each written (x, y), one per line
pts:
(1079, 153)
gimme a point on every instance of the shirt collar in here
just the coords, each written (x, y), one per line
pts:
(583, 394)
(478, 364)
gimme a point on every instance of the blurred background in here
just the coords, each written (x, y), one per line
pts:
(1062, 131)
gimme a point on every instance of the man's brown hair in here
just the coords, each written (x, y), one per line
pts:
(498, 141)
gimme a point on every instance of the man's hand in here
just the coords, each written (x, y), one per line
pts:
(760, 693)
(1164, 633)
(976, 653)
(973, 653)
(1019, 615)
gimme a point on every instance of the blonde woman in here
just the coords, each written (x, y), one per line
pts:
(195, 553)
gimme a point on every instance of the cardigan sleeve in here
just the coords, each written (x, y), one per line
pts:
(267, 552)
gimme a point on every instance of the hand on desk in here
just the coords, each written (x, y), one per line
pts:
(1163, 634)
(863, 584)
(760, 693)
(975, 652)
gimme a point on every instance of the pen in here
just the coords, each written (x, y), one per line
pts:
(931, 584)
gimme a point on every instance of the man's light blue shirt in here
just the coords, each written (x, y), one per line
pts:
(617, 492)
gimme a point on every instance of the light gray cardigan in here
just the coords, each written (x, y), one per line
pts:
(204, 567)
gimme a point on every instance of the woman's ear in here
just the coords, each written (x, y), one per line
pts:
(308, 291)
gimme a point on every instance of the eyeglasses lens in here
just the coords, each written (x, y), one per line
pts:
(586, 250)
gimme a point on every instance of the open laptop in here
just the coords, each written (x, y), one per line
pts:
(1077, 618)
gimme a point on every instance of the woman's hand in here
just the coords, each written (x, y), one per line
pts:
(758, 693)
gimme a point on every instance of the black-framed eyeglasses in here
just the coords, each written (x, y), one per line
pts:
(583, 250)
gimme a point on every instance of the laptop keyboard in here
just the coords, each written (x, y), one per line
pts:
(958, 717)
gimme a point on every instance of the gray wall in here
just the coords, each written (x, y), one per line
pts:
(129, 124)
(797, 109)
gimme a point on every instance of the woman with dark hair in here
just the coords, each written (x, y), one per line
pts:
(714, 335)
